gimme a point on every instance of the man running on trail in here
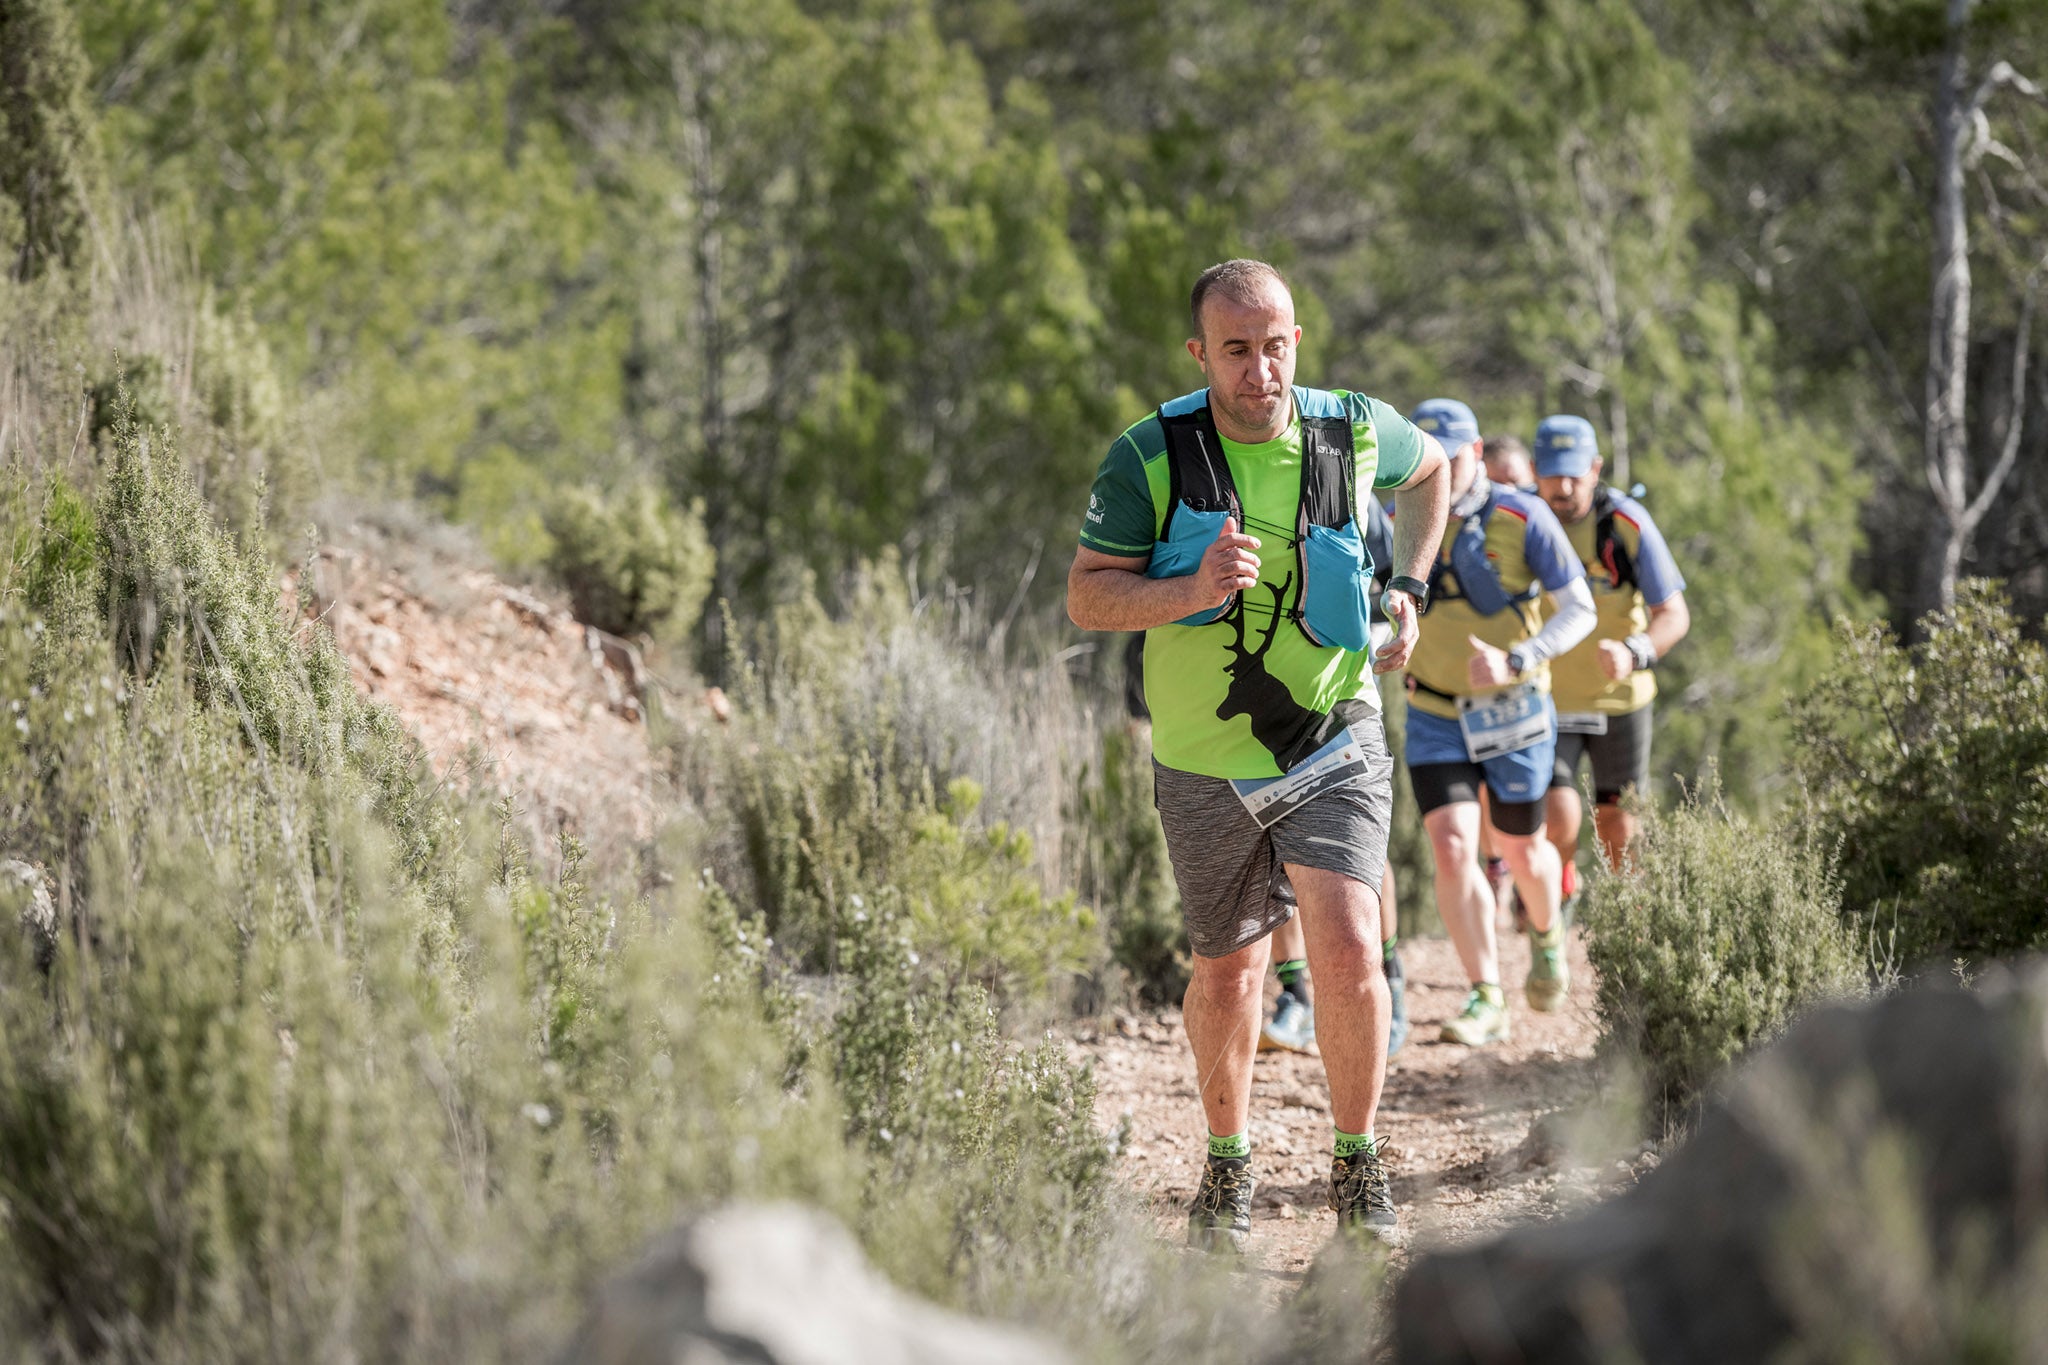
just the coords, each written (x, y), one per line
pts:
(1293, 1025)
(1604, 687)
(1479, 713)
(1507, 461)
(1226, 526)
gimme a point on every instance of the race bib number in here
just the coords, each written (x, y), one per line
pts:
(1269, 800)
(1504, 723)
(1582, 723)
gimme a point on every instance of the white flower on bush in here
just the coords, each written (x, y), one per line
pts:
(541, 1115)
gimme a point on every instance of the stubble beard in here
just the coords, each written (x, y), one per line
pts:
(1242, 417)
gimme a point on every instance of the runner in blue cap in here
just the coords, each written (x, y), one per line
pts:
(1605, 687)
(1479, 717)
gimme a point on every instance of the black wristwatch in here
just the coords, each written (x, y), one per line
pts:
(1518, 662)
(1414, 587)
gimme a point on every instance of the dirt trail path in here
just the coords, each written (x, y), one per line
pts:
(1473, 1149)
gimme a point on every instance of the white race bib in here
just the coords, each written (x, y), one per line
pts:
(1269, 800)
(1506, 722)
(1582, 722)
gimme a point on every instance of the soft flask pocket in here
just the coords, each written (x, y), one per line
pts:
(1334, 605)
(1188, 538)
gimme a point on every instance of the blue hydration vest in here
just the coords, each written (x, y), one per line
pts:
(1478, 580)
(1335, 571)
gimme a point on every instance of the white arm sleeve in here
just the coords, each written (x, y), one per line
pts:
(1573, 622)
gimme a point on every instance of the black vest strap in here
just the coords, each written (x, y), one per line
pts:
(1607, 546)
(1329, 472)
(1198, 475)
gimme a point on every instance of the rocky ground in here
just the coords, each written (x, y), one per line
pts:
(506, 691)
(1483, 1137)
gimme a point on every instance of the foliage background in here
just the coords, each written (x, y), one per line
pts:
(791, 333)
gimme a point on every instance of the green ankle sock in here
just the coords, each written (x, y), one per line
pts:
(1351, 1144)
(1231, 1148)
(1387, 948)
(1291, 972)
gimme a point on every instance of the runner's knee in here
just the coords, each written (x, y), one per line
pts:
(1347, 960)
(1523, 852)
(1228, 981)
(1453, 844)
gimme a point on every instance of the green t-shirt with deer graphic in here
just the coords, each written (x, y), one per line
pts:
(1241, 697)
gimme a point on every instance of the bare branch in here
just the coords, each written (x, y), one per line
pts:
(1588, 381)
(2001, 74)
(1999, 151)
(1995, 480)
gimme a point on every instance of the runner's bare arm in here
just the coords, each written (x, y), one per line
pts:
(1669, 621)
(1420, 506)
(1111, 592)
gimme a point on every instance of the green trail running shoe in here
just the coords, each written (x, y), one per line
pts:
(1483, 1020)
(1550, 976)
(1360, 1193)
(1221, 1218)
(1292, 1027)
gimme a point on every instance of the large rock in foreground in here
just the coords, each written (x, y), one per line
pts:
(778, 1285)
(1873, 1186)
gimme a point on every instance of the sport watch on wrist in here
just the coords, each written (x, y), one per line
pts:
(1518, 662)
(1414, 587)
(1641, 652)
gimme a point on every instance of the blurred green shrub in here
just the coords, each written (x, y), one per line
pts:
(874, 756)
(988, 1166)
(1724, 929)
(632, 564)
(311, 1074)
(1927, 770)
(1124, 871)
(320, 1066)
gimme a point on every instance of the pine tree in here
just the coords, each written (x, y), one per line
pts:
(49, 166)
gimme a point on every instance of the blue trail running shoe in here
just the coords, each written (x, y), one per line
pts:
(1292, 1027)
(1397, 985)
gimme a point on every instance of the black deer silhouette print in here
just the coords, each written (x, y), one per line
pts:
(1278, 721)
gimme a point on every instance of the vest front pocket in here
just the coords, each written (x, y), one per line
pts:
(1188, 538)
(1334, 603)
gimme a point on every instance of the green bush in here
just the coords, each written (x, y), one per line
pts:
(331, 1071)
(632, 564)
(1124, 870)
(872, 757)
(1724, 929)
(989, 1169)
(1927, 769)
(312, 1071)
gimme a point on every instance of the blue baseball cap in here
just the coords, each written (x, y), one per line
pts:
(1565, 447)
(1450, 421)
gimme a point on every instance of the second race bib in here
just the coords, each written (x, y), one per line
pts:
(1582, 722)
(1504, 723)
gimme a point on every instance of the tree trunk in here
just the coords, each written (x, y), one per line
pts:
(1948, 324)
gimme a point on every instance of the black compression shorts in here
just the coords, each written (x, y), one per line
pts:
(1445, 784)
(1620, 758)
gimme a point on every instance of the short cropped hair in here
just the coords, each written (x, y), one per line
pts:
(1242, 281)
(1507, 448)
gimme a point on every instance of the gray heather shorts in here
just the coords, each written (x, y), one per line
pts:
(1233, 888)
